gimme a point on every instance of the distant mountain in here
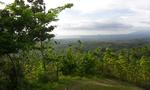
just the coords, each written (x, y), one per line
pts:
(114, 41)
(131, 36)
(141, 34)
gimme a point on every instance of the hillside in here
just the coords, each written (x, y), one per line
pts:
(93, 44)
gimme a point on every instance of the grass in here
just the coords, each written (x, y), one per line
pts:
(77, 83)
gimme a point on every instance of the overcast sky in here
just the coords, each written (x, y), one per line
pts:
(94, 17)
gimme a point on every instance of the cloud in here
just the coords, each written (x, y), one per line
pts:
(109, 26)
(111, 16)
(101, 16)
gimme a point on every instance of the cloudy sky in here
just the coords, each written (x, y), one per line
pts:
(98, 17)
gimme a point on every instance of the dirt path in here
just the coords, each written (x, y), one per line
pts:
(105, 84)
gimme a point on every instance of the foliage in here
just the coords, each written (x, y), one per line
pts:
(130, 65)
(22, 26)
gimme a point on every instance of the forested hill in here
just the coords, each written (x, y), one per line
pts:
(114, 41)
(91, 44)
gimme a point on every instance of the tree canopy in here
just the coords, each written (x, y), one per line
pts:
(23, 24)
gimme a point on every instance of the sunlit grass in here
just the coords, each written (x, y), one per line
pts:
(78, 83)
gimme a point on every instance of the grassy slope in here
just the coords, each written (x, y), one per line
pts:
(91, 84)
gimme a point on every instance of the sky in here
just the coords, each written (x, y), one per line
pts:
(101, 17)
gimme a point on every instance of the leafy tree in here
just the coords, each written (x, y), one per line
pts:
(69, 65)
(88, 64)
(145, 67)
(109, 60)
(22, 26)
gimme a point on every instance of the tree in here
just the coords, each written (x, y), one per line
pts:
(24, 25)
(109, 60)
(145, 67)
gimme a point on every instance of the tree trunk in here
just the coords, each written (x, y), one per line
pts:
(57, 71)
(13, 75)
(42, 53)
